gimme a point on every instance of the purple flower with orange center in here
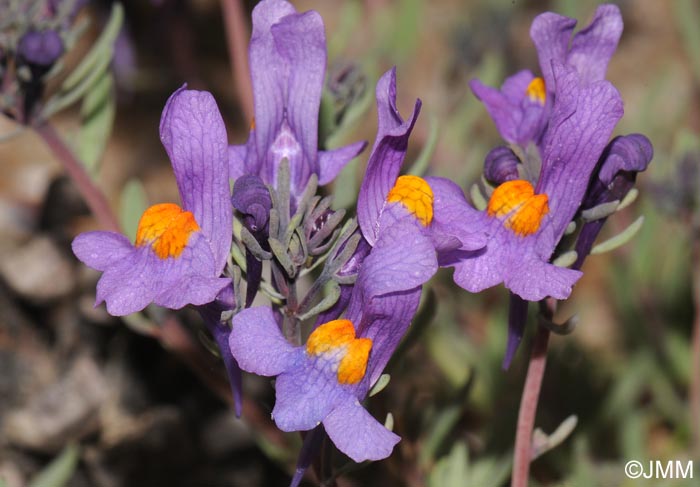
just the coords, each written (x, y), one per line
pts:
(324, 381)
(521, 108)
(526, 221)
(434, 207)
(287, 57)
(180, 252)
(526, 217)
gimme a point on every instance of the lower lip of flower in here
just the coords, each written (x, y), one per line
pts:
(416, 195)
(166, 228)
(339, 336)
(522, 208)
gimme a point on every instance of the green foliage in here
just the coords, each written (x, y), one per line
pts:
(133, 204)
(91, 69)
(97, 114)
(59, 472)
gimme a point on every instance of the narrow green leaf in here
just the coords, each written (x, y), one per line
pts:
(620, 239)
(629, 198)
(603, 210)
(389, 422)
(60, 470)
(570, 228)
(280, 252)
(97, 113)
(382, 382)
(566, 259)
(329, 300)
(132, 205)
(63, 100)
(101, 49)
(542, 443)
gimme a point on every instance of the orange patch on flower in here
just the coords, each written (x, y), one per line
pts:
(536, 90)
(416, 195)
(341, 333)
(166, 228)
(517, 201)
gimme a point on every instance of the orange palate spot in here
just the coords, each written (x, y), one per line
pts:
(536, 90)
(516, 200)
(341, 333)
(416, 195)
(166, 228)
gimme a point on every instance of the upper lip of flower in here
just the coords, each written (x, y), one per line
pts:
(287, 63)
(180, 252)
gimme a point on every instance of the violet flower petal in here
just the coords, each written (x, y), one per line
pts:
(385, 320)
(618, 167)
(583, 119)
(357, 434)
(592, 47)
(517, 318)
(101, 250)
(403, 258)
(194, 136)
(453, 218)
(300, 40)
(387, 156)
(257, 343)
(551, 34)
(504, 105)
(306, 393)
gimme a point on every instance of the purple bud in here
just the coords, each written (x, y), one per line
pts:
(40, 49)
(501, 165)
(615, 176)
(252, 198)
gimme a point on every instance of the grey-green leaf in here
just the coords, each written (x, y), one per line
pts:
(59, 472)
(620, 239)
(97, 114)
(132, 205)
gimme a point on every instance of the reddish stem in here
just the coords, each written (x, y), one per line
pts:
(237, 39)
(695, 364)
(528, 403)
(93, 196)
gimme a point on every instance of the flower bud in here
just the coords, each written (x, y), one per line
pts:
(501, 165)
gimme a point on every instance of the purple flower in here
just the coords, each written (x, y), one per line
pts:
(287, 64)
(325, 380)
(526, 222)
(179, 253)
(435, 207)
(521, 108)
(40, 48)
(615, 176)
(252, 199)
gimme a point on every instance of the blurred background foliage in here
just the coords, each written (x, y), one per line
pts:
(71, 374)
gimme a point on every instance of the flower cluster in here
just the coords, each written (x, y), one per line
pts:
(560, 176)
(560, 164)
